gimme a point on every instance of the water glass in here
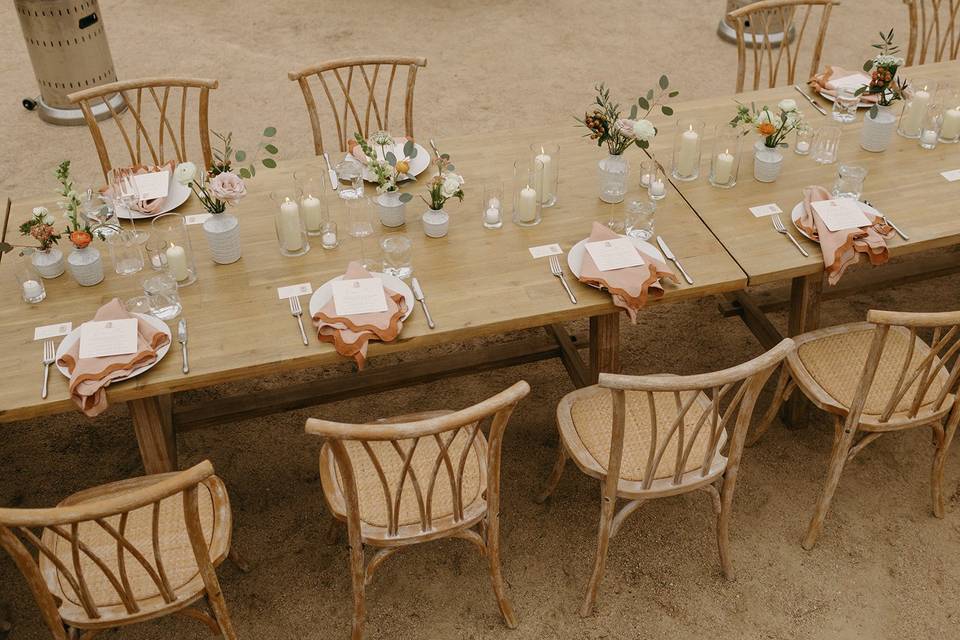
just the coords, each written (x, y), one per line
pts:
(826, 144)
(725, 161)
(350, 177)
(396, 256)
(328, 235)
(156, 249)
(313, 203)
(638, 218)
(845, 106)
(360, 225)
(138, 304)
(849, 182)
(930, 130)
(162, 296)
(492, 204)
(804, 140)
(28, 278)
(125, 251)
(686, 150)
(97, 212)
(172, 229)
(546, 165)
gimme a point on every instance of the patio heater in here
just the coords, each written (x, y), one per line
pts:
(69, 51)
(727, 30)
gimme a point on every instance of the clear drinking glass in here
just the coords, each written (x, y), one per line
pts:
(546, 166)
(845, 106)
(725, 161)
(648, 168)
(156, 250)
(30, 283)
(171, 228)
(930, 130)
(527, 206)
(350, 176)
(826, 143)
(492, 205)
(849, 182)
(638, 218)
(686, 150)
(125, 251)
(97, 212)
(804, 140)
(657, 190)
(288, 221)
(313, 203)
(915, 109)
(124, 190)
(328, 235)
(396, 256)
(360, 225)
(162, 296)
(138, 304)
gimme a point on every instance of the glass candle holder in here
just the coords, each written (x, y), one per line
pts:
(657, 189)
(804, 140)
(328, 235)
(930, 130)
(156, 250)
(30, 283)
(527, 207)
(845, 105)
(546, 165)
(291, 233)
(171, 229)
(826, 144)
(950, 125)
(313, 204)
(492, 205)
(647, 169)
(725, 160)
(686, 150)
(915, 110)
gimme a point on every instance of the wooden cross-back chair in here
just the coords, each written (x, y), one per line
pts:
(648, 437)
(759, 18)
(126, 552)
(153, 129)
(935, 29)
(359, 91)
(877, 377)
(416, 478)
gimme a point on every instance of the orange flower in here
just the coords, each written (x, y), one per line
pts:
(80, 239)
(766, 129)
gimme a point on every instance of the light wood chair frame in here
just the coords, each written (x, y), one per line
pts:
(852, 431)
(141, 138)
(935, 29)
(342, 114)
(97, 505)
(484, 511)
(759, 15)
(741, 385)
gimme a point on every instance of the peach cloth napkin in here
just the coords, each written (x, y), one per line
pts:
(89, 377)
(825, 82)
(350, 335)
(146, 206)
(358, 153)
(843, 248)
(629, 287)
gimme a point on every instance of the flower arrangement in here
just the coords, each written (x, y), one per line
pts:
(41, 228)
(607, 126)
(445, 185)
(78, 231)
(883, 75)
(389, 170)
(773, 126)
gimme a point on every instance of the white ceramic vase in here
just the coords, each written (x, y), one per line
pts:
(393, 212)
(612, 172)
(767, 163)
(222, 231)
(49, 263)
(86, 266)
(877, 133)
(436, 223)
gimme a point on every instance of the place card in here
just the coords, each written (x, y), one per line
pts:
(363, 295)
(294, 290)
(840, 214)
(52, 330)
(153, 185)
(101, 338)
(546, 250)
(197, 218)
(618, 253)
(951, 176)
(765, 210)
(853, 81)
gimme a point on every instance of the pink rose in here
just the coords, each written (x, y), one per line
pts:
(227, 186)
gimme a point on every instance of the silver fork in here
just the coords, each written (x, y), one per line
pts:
(49, 355)
(778, 225)
(556, 270)
(297, 312)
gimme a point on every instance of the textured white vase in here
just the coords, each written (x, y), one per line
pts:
(767, 163)
(222, 231)
(393, 212)
(86, 266)
(877, 133)
(436, 224)
(49, 263)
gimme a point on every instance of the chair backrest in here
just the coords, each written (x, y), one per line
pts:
(910, 381)
(447, 441)
(758, 20)
(729, 393)
(935, 29)
(83, 566)
(158, 110)
(355, 86)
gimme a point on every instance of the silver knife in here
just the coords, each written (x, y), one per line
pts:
(182, 338)
(816, 106)
(670, 256)
(418, 294)
(334, 182)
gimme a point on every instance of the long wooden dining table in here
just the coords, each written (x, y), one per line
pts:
(479, 283)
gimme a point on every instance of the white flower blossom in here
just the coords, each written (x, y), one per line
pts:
(644, 130)
(451, 184)
(788, 105)
(185, 173)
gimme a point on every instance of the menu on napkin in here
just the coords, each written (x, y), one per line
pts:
(617, 253)
(100, 338)
(840, 214)
(153, 185)
(353, 297)
(853, 82)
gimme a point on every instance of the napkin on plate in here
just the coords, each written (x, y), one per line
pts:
(826, 82)
(145, 206)
(351, 334)
(358, 153)
(843, 248)
(631, 286)
(89, 377)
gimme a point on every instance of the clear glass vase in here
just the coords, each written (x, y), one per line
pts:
(613, 172)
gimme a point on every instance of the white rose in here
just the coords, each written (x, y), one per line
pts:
(228, 187)
(788, 105)
(451, 184)
(644, 130)
(185, 173)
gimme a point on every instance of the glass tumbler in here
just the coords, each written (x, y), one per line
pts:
(849, 182)
(492, 205)
(396, 256)
(546, 165)
(350, 176)
(826, 144)
(725, 161)
(313, 204)
(171, 228)
(156, 249)
(804, 140)
(125, 252)
(28, 278)
(686, 150)
(930, 130)
(638, 219)
(162, 296)
(845, 106)
(328, 235)
(648, 168)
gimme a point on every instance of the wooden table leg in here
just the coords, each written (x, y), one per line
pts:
(156, 436)
(604, 344)
(804, 316)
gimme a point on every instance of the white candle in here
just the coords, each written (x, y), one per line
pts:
(803, 147)
(32, 290)
(545, 176)
(914, 112)
(645, 180)
(929, 138)
(288, 226)
(312, 212)
(493, 203)
(177, 262)
(657, 188)
(329, 239)
(723, 167)
(527, 205)
(689, 152)
(491, 215)
(950, 128)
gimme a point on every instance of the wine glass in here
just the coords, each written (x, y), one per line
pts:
(360, 226)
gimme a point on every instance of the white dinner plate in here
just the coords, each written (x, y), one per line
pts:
(158, 324)
(323, 294)
(417, 165)
(575, 255)
(827, 96)
(177, 194)
(798, 211)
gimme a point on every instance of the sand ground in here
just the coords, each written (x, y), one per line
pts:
(884, 568)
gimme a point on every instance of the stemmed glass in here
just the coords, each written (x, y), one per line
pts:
(360, 226)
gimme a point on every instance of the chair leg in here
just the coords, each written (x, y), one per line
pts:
(608, 506)
(238, 560)
(496, 573)
(218, 605)
(784, 389)
(555, 474)
(838, 458)
(940, 458)
(357, 576)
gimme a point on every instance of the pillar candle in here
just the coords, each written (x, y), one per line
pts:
(177, 262)
(723, 167)
(545, 176)
(312, 212)
(914, 112)
(527, 205)
(689, 152)
(288, 226)
(950, 128)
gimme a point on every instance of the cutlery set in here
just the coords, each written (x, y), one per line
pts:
(780, 228)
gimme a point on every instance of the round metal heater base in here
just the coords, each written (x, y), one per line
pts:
(56, 115)
(728, 33)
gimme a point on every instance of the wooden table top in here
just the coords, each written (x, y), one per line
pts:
(477, 281)
(904, 183)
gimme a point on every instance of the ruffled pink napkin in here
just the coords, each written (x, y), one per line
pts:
(630, 287)
(843, 248)
(89, 377)
(350, 335)
(826, 82)
(145, 206)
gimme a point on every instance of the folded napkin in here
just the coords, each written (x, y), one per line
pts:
(351, 334)
(631, 286)
(358, 153)
(826, 82)
(89, 377)
(843, 248)
(145, 206)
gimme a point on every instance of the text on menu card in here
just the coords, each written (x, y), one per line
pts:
(363, 295)
(840, 214)
(151, 186)
(102, 338)
(618, 253)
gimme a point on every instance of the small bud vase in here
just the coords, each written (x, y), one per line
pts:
(436, 223)
(48, 262)
(767, 163)
(222, 231)
(877, 133)
(86, 266)
(391, 209)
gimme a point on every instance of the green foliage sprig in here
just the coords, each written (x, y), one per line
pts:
(224, 158)
(607, 126)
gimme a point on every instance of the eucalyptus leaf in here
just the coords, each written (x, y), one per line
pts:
(643, 144)
(269, 132)
(391, 158)
(644, 104)
(269, 163)
(271, 149)
(406, 197)
(240, 155)
(633, 112)
(667, 111)
(868, 65)
(664, 82)
(409, 148)
(874, 112)
(650, 94)
(450, 167)
(245, 173)
(5, 247)
(253, 171)
(445, 156)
